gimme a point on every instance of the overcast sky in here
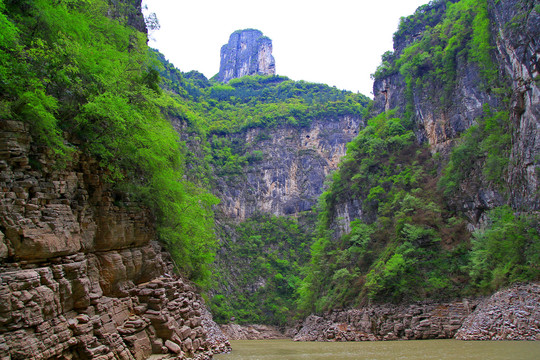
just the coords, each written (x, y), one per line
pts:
(336, 42)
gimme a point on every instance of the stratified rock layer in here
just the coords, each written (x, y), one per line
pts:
(252, 332)
(248, 52)
(387, 322)
(510, 314)
(80, 274)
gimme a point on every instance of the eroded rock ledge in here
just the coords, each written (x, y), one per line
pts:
(387, 322)
(253, 332)
(512, 314)
(81, 276)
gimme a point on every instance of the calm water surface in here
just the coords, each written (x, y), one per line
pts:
(382, 350)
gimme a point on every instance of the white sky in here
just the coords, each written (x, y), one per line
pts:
(336, 42)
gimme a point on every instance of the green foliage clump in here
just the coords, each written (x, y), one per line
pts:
(506, 250)
(266, 253)
(257, 101)
(452, 34)
(78, 73)
(486, 146)
(409, 242)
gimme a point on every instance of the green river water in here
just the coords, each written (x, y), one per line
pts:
(382, 350)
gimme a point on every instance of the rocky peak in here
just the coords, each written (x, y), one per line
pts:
(248, 52)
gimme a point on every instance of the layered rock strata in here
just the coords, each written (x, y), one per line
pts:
(387, 322)
(295, 162)
(510, 314)
(80, 274)
(248, 52)
(252, 332)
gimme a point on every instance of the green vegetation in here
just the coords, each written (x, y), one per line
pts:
(453, 34)
(411, 246)
(78, 76)
(487, 145)
(411, 241)
(507, 250)
(85, 81)
(257, 101)
(261, 265)
(409, 250)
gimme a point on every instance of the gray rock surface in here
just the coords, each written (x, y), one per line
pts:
(515, 31)
(248, 52)
(510, 314)
(252, 332)
(387, 322)
(290, 176)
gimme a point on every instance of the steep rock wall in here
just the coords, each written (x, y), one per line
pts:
(518, 53)
(81, 276)
(248, 52)
(290, 176)
(514, 29)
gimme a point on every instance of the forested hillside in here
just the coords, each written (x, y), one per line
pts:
(269, 143)
(434, 174)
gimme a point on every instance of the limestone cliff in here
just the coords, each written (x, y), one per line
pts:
(289, 176)
(248, 52)
(81, 275)
(514, 32)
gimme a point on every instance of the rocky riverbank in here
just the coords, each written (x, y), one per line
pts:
(513, 313)
(510, 314)
(388, 322)
(253, 332)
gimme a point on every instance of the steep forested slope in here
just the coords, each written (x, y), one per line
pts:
(436, 197)
(79, 74)
(92, 173)
(270, 143)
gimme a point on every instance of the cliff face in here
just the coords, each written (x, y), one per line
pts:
(514, 30)
(518, 52)
(80, 273)
(289, 176)
(248, 52)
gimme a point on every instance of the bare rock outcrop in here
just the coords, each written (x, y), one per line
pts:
(510, 314)
(514, 34)
(248, 52)
(252, 332)
(289, 177)
(81, 276)
(387, 322)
